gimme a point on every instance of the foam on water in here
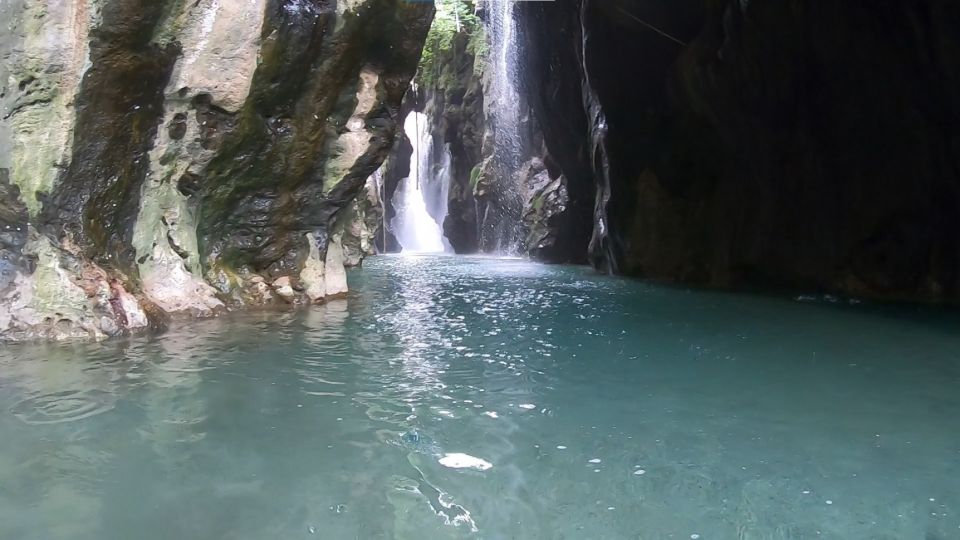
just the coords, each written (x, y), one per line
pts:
(464, 461)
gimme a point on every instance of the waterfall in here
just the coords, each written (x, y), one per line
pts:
(503, 231)
(418, 230)
(435, 182)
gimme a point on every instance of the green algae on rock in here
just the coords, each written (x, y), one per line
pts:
(181, 157)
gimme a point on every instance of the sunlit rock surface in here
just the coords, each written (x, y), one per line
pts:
(162, 157)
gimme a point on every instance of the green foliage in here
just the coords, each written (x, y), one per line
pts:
(453, 17)
(478, 47)
(474, 176)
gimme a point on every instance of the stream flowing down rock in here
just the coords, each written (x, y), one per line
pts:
(161, 157)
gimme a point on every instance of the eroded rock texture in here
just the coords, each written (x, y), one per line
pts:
(806, 144)
(162, 156)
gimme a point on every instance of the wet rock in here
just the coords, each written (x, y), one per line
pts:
(66, 296)
(313, 274)
(455, 105)
(283, 287)
(358, 224)
(44, 46)
(320, 120)
(13, 232)
(119, 106)
(158, 156)
(546, 207)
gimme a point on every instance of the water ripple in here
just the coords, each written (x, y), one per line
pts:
(65, 406)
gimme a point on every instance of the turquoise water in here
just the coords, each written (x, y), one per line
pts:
(604, 408)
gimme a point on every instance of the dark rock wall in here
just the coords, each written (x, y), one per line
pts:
(807, 144)
(454, 105)
(118, 109)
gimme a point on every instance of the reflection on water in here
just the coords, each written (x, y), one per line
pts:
(483, 398)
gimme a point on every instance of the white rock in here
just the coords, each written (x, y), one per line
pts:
(218, 37)
(282, 286)
(335, 275)
(355, 139)
(313, 273)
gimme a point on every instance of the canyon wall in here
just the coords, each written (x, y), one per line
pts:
(804, 144)
(451, 96)
(161, 157)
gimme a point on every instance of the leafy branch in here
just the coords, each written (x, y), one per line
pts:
(453, 17)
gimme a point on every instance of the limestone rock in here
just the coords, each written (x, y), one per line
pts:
(156, 155)
(284, 288)
(335, 276)
(66, 297)
(313, 274)
(357, 225)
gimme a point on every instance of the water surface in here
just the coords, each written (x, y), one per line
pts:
(605, 408)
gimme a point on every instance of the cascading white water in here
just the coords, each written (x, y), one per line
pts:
(505, 230)
(435, 183)
(503, 97)
(415, 228)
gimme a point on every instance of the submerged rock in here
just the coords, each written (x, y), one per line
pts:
(420, 443)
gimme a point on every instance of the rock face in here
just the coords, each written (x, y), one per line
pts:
(358, 225)
(161, 156)
(728, 143)
(454, 105)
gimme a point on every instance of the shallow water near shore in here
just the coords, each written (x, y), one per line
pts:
(453, 397)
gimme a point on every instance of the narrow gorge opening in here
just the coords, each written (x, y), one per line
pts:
(471, 53)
